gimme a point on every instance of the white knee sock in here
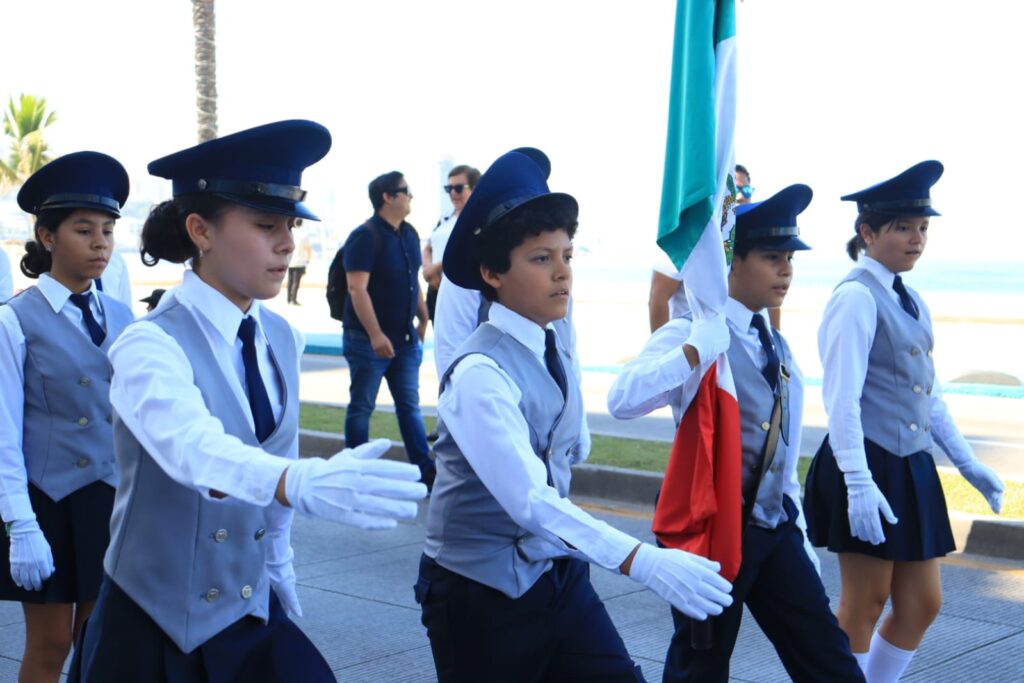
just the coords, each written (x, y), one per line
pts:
(885, 662)
(862, 660)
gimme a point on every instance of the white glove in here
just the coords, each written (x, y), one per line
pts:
(709, 336)
(282, 580)
(866, 502)
(689, 582)
(31, 559)
(983, 478)
(811, 555)
(355, 488)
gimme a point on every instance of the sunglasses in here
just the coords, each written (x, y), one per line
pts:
(745, 190)
(401, 190)
(457, 189)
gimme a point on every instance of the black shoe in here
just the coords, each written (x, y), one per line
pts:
(432, 437)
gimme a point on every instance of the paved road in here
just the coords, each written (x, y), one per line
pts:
(992, 426)
(356, 591)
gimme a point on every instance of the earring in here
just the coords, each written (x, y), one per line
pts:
(49, 248)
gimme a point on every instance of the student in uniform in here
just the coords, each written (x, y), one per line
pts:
(873, 494)
(778, 579)
(205, 398)
(57, 471)
(504, 579)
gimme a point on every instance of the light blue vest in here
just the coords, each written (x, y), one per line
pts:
(194, 565)
(468, 532)
(67, 437)
(756, 400)
(895, 405)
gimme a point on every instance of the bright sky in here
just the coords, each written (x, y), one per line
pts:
(838, 95)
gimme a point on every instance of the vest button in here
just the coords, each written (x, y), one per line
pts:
(765, 425)
(246, 592)
(110, 419)
(929, 353)
(221, 535)
(83, 421)
(917, 388)
(85, 381)
(212, 595)
(260, 533)
(913, 426)
(82, 462)
(914, 351)
(927, 428)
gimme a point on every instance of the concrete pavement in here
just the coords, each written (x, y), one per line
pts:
(356, 591)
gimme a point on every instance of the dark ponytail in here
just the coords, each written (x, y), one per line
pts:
(164, 236)
(875, 221)
(37, 260)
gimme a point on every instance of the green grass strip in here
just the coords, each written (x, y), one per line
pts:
(652, 456)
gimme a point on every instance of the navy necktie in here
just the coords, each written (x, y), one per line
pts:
(553, 362)
(906, 301)
(771, 371)
(97, 333)
(99, 284)
(259, 402)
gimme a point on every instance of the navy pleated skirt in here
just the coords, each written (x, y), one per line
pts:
(120, 643)
(910, 484)
(77, 527)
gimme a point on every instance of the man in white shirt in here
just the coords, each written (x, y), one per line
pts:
(461, 181)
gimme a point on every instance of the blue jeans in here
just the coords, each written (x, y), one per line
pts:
(366, 369)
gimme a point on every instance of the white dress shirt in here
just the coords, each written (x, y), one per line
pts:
(844, 342)
(480, 407)
(661, 376)
(439, 237)
(154, 394)
(117, 282)
(14, 502)
(455, 318)
(6, 280)
(678, 306)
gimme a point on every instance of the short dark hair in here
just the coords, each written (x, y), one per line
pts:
(740, 168)
(472, 174)
(499, 238)
(381, 185)
(875, 221)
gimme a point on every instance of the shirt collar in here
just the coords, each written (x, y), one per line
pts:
(741, 317)
(57, 294)
(523, 330)
(881, 273)
(224, 316)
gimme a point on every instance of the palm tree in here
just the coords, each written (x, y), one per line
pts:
(24, 124)
(206, 68)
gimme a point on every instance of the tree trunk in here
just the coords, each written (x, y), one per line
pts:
(206, 68)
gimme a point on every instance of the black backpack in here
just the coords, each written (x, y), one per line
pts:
(337, 280)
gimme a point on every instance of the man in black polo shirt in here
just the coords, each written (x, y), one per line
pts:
(382, 262)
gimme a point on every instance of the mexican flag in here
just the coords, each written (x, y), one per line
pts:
(700, 506)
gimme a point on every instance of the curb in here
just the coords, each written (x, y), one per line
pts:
(975, 535)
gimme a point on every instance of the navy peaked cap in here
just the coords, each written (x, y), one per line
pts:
(82, 180)
(260, 167)
(516, 179)
(908, 194)
(771, 224)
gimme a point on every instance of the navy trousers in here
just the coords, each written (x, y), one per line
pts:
(120, 643)
(556, 631)
(783, 591)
